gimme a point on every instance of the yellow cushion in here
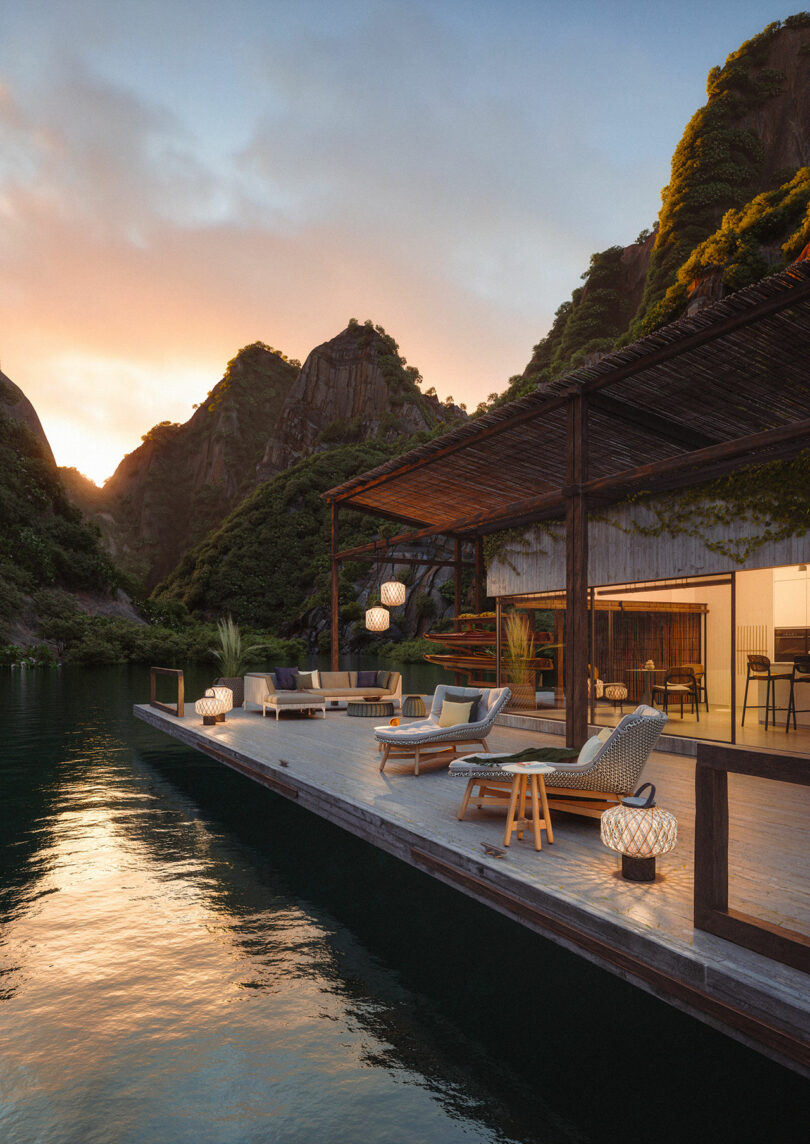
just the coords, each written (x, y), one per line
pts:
(454, 713)
(605, 734)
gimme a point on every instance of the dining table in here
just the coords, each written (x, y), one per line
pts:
(650, 673)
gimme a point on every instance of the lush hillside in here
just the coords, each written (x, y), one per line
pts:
(268, 564)
(736, 208)
(46, 546)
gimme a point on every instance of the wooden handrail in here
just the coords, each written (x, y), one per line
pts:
(170, 708)
(715, 761)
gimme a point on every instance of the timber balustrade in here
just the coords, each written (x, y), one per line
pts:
(715, 761)
(170, 708)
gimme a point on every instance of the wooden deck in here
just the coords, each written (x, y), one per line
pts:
(571, 892)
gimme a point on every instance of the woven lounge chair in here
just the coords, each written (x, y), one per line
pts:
(426, 741)
(587, 788)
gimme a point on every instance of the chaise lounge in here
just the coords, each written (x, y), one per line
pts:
(608, 767)
(429, 741)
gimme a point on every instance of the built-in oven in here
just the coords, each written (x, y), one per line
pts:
(790, 642)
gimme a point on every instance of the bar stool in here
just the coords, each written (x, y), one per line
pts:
(759, 668)
(800, 674)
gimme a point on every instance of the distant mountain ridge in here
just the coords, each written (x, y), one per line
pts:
(264, 415)
(737, 207)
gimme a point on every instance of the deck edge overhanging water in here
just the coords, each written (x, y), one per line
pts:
(713, 989)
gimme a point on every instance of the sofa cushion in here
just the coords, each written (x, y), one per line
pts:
(589, 749)
(306, 680)
(333, 679)
(459, 697)
(368, 679)
(454, 714)
(384, 679)
(285, 678)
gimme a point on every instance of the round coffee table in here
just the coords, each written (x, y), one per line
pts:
(369, 708)
(413, 706)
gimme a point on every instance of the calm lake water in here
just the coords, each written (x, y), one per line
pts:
(185, 957)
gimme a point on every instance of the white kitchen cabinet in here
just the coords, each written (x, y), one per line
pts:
(790, 602)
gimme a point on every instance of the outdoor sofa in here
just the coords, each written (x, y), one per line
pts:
(326, 685)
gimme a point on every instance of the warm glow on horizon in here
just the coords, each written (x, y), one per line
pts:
(177, 185)
(93, 436)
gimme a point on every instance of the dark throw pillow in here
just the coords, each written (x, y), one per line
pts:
(367, 679)
(458, 697)
(383, 680)
(285, 678)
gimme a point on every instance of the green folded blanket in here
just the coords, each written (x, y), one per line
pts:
(531, 754)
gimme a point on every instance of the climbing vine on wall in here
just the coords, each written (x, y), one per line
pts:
(773, 499)
(500, 546)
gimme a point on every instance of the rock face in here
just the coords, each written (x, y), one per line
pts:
(263, 416)
(351, 388)
(15, 404)
(184, 479)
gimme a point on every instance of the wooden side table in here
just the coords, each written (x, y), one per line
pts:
(528, 784)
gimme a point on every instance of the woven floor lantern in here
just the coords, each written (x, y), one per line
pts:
(639, 830)
(226, 696)
(209, 707)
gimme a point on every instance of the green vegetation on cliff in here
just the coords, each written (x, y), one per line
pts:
(730, 210)
(720, 163)
(268, 563)
(44, 540)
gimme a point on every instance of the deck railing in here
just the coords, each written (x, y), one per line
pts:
(715, 761)
(170, 708)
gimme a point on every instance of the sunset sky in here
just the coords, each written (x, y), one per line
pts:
(179, 178)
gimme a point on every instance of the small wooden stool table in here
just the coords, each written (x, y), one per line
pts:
(528, 782)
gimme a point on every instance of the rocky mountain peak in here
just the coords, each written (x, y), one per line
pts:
(16, 405)
(352, 388)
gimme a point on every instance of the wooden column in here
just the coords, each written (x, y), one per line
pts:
(480, 575)
(576, 574)
(335, 591)
(733, 622)
(458, 677)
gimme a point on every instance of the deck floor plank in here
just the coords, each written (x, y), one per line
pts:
(333, 763)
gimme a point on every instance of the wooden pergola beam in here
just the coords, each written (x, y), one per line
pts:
(679, 472)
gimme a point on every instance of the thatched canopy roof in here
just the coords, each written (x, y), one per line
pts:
(720, 389)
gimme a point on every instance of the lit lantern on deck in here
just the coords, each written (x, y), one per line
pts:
(639, 830)
(378, 619)
(225, 695)
(392, 593)
(210, 708)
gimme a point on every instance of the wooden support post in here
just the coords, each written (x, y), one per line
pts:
(576, 574)
(458, 677)
(335, 650)
(480, 575)
(498, 680)
(733, 610)
(592, 672)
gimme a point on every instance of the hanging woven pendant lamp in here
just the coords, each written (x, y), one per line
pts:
(392, 593)
(378, 619)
